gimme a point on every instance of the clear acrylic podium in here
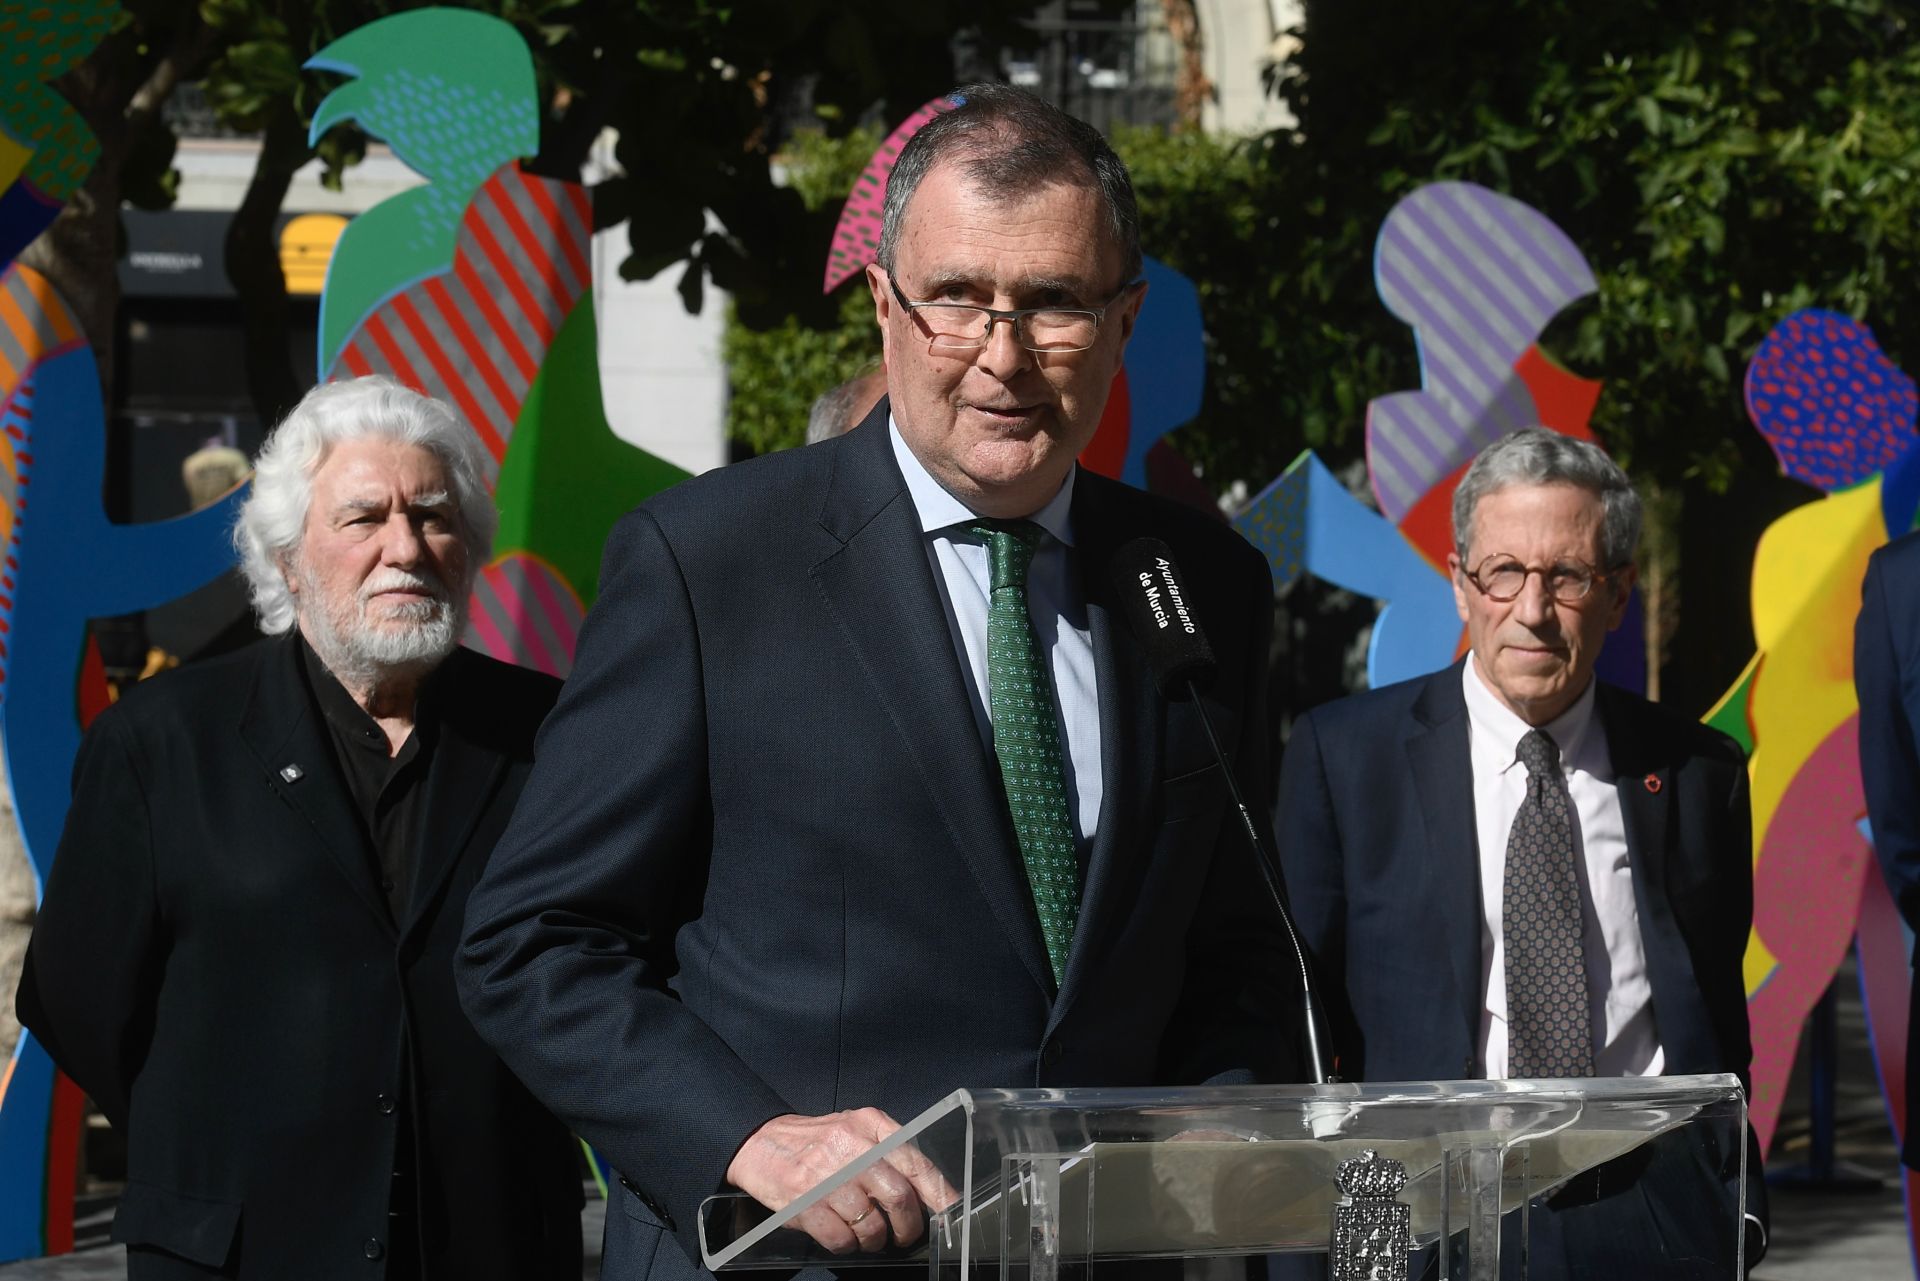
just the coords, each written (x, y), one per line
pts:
(1046, 1179)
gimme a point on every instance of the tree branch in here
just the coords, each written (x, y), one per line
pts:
(253, 267)
(183, 61)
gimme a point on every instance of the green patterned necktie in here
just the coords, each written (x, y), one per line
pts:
(1026, 737)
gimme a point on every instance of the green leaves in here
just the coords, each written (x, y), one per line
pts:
(697, 92)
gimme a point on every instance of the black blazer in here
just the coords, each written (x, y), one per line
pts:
(216, 966)
(1381, 853)
(1886, 673)
(765, 864)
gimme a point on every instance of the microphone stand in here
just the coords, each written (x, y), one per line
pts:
(1317, 1053)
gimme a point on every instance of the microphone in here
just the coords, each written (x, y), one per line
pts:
(1159, 611)
(1155, 602)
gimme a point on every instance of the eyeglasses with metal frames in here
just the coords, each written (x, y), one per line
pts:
(1501, 578)
(961, 326)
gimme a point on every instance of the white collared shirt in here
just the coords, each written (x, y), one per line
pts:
(1055, 603)
(1626, 1042)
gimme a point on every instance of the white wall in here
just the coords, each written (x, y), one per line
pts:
(661, 377)
(1240, 39)
(214, 173)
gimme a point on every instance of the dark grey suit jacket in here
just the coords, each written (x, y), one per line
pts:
(765, 863)
(1381, 852)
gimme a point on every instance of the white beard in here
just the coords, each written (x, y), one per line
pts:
(410, 638)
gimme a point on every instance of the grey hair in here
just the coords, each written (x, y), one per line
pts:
(272, 520)
(1537, 456)
(1008, 140)
(833, 412)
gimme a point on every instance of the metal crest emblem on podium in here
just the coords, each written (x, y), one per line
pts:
(1372, 1229)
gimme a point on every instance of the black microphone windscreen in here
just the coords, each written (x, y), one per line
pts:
(1154, 598)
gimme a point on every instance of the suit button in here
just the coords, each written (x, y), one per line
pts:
(627, 1183)
(1050, 1053)
(373, 1249)
(385, 1104)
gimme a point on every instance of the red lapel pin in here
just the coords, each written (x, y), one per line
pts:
(1653, 783)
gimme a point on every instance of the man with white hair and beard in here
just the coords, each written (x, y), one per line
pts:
(245, 950)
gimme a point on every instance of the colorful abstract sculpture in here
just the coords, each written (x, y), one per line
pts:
(478, 290)
(1161, 381)
(1307, 522)
(65, 563)
(856, 237)
(1836, 411)
(1478, 276)
(1840, 417)
(46, 149)
(452, 92)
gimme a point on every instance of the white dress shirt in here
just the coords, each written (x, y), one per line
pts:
(1626, 1042)
(1055, 603)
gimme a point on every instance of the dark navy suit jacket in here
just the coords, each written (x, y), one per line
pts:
(764, 864)
(1378, 840)
(1886, 672)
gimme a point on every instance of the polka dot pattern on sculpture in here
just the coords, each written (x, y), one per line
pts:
(1026, 737)
(1828, 400)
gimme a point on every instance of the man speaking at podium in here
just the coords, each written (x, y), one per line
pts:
(860, 791)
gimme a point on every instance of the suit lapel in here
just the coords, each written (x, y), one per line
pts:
(462, 776)
(1439, 754)
(282, 730)
(1644, 780)
(1132, 724)
(880, 588)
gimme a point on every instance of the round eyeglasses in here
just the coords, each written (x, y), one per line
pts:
(1501, 578)
(959, 326)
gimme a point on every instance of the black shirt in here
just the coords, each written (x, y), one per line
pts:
(389, 791)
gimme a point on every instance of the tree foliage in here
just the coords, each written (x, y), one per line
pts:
(698, 91)
(776, 372)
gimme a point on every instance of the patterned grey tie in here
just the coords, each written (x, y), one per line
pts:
(1548, 1029)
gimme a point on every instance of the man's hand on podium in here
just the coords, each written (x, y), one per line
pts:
(792, 1154)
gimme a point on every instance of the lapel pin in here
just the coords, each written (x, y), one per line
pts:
(1653, 783)
(292, 773)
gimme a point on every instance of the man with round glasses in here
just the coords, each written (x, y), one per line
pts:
(860, 790)
(1514, 870)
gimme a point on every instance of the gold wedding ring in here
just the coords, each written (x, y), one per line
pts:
(854, 1222)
